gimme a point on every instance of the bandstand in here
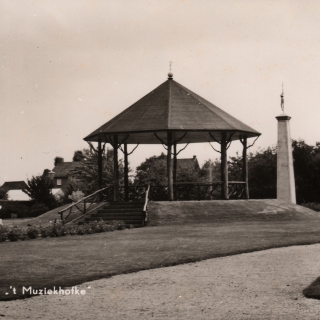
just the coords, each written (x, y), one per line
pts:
(173, 115)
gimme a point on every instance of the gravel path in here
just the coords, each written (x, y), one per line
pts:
(260, 285)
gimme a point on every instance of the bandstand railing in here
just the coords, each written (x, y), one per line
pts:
(185, 191)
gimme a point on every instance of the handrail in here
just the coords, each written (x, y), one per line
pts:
(80, 201)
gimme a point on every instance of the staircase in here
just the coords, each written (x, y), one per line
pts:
(131, 213)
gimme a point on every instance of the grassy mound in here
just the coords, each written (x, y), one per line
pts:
(185, 212)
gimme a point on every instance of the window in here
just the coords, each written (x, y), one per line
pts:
(58, 182)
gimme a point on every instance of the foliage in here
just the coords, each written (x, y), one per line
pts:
(76, 196)
(77, 156)
(57, 229)
(14, 234)
(45, 173)
(39, 189)
(3, 194)
(37, 209)
(312, 205)
(307, 171)
(210, 171)
(32, 232)
(262, 173)
(3, 232)
(119, 225)
(85, 176)
(152, 171)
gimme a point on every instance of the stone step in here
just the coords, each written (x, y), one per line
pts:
(111, 218)
(121, 218)
(127, 221)
(135, 224)
(115, 210)
(118, 214)
(126, 204)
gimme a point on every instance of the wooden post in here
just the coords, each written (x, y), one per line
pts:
(116, 169)
(169, 166)
(99, 164)
(210, 178)
(245, 168)
(126, 173)
(224, 167)
(175, 161)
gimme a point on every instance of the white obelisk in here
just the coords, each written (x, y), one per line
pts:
(285, 175)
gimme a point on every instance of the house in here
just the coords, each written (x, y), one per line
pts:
(187, 171)
(14, 189)
(62, 173)
(188, 165)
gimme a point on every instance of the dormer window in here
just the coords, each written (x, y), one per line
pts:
(58, 182)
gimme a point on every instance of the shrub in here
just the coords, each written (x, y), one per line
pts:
(32, 232)
(3, 233)
(82, 230)
(14, 234)
(76, 196)
(45, 231)
(312, 205)
(37, 209)
(55, 230)
(119, 225)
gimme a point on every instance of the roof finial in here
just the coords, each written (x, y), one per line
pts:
(282, 99)
(170, 74)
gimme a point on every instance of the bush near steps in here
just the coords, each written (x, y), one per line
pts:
(14, 233)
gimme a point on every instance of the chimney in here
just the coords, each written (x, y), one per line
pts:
(194, 158)
(60, 160)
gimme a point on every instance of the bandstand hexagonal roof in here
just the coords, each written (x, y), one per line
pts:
(172, 107)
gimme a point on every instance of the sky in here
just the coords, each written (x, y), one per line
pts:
(69, 66)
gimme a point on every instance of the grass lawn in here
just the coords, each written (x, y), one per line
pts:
(71, 260)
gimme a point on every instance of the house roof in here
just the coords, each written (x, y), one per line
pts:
(14, 185)
(172, 107)
(62, 170)
(183, 164)
(188, 164)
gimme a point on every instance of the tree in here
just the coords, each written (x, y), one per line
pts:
(307, 171)
(39, 189)
(3, 194)
(85, 176)
(210, 171)
(152, 171)
(262, 173)
(78, 156)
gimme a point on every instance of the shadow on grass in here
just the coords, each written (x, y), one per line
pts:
(313, 290)
(69, 261)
